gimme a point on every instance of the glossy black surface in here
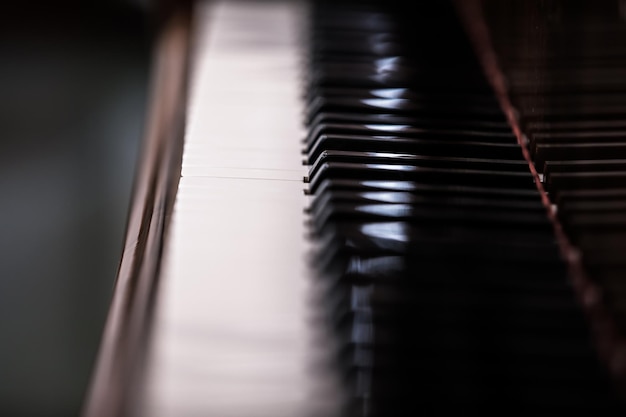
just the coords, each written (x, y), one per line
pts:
(445, 284)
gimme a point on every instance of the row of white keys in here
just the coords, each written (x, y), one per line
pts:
(233, 333)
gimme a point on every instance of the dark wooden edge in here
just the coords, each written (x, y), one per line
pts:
(610, 344)
(118, 364)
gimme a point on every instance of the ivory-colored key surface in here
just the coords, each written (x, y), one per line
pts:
(233, 325)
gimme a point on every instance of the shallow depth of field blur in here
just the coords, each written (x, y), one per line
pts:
(74, 79)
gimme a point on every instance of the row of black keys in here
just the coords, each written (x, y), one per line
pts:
(442, 280)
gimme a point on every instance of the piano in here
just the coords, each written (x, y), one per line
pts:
(378, 208)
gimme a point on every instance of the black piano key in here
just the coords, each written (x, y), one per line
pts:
(459, 149)
(366, 171)
(393, 269)
(484, 99)
(440, 130)
(443, 213)
(480, 239)
(401, 107)
(425, 200)
(390, 119)
(416, 160)
(494, 193)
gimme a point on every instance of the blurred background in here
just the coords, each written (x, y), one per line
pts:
(73, 85)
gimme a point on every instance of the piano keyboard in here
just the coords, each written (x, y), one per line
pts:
(358, 229)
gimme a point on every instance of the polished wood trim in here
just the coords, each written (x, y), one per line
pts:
(118, 363)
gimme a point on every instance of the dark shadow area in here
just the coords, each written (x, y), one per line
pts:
(74, 80)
